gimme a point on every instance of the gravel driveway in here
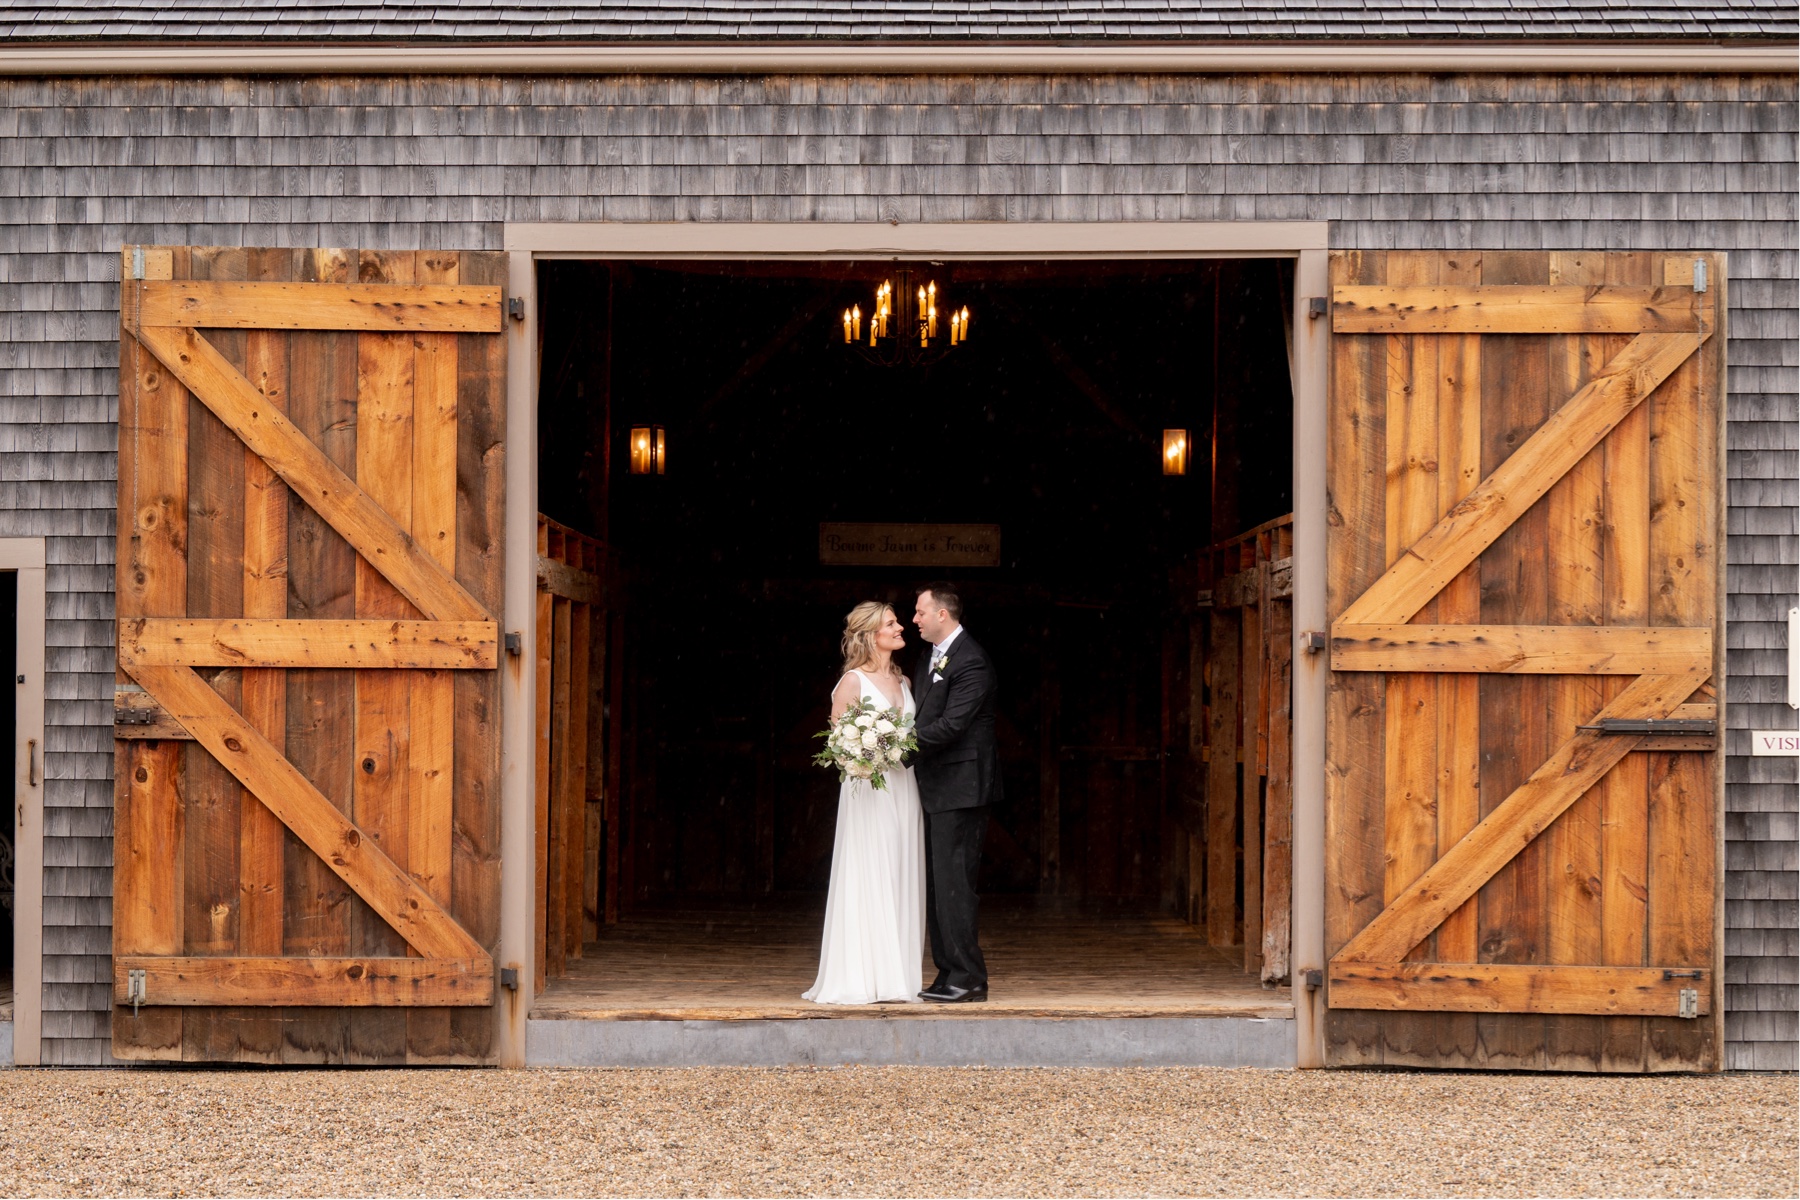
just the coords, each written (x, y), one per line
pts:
(891, 1131)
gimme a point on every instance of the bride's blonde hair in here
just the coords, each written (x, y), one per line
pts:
(860, 628)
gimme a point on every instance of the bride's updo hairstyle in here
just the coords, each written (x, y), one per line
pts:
(860, 628)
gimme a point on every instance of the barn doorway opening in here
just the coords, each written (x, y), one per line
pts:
(685, 838)
(9, 833)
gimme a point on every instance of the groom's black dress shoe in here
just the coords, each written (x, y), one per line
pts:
(950, 994)
(937, 985)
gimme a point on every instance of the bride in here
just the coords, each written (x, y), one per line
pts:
(875, 911)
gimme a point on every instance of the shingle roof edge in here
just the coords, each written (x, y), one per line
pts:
(897, 57)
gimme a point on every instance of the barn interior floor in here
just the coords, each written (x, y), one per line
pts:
(1057, 960)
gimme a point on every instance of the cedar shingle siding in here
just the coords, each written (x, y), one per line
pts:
(1601, 162)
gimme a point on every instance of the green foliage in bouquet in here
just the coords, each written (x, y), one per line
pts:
(867, 742)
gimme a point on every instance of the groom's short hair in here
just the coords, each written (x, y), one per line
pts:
(946, 597)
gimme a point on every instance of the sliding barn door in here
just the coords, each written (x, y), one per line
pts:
(1524, 545)
(306, 856)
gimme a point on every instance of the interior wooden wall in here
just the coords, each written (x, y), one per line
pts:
(572, 776)
(1232, 862)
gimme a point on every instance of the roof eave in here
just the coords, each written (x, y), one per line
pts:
(1731, 56)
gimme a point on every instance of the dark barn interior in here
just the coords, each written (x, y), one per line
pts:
(716, 643)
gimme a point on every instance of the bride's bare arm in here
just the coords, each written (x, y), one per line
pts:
(847, 692)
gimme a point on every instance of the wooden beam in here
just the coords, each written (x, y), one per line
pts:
(377, 307)
(346, 644)
(560, 579)
(1461, 871)
(393, 894)
(1523, 308)
(1523, 649)
(268, 982)
(366, 525)
(1505, 988)
(1471, 526)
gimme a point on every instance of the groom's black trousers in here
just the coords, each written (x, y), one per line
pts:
(952, 868)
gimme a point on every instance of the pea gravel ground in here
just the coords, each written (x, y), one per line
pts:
(891, 1131)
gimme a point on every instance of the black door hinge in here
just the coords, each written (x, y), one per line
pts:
(1692, 727)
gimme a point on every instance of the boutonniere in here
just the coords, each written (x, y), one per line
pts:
(939, 663)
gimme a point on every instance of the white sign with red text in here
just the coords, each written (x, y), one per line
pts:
(1775, 743)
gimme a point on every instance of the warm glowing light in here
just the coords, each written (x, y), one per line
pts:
(904, 310)
(1175, 451)
(649, 449)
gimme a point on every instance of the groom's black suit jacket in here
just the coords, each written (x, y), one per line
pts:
(958, 763)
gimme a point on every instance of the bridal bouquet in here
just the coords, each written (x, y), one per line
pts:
(867, 742)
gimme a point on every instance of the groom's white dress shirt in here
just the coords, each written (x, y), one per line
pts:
(942, 648)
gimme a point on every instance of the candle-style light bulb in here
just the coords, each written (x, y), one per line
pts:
(965, 323)
(846, 327)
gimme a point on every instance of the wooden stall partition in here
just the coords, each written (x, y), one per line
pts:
(1522, 782)
(572, 829)
(1239, 876)
(307, 738)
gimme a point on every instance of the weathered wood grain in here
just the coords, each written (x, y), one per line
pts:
(363, 642)
(1524, 649)
(1355, 728)
(1222, 801)
(352, 512)
(152, 580)
(1461, 871)
(1521, 480)
(1501, 988)
(261, 768)
(276, 982)
(1412, 402)
(1403, 307)
(382, 307)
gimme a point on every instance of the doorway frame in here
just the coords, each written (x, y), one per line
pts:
(25, 558)
(529, 243)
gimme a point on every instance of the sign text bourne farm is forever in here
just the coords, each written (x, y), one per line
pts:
(844, 544)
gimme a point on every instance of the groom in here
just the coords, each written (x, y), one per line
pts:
(958, 769)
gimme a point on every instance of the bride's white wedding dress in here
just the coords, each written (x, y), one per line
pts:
(874, 939)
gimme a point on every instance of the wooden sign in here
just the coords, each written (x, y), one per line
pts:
(844, 544)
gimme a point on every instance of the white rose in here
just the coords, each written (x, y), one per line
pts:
(884, 726)
(870, 739)
(861, 770)
(865, 721)
(896, 754)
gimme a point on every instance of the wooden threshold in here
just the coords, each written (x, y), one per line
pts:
(724, 965)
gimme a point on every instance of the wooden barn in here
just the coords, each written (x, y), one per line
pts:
(439, 443)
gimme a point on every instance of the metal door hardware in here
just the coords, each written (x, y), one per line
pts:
(515, 644)
(1690, 1004)
(1661, 727)
(1312, 641)
(1672, 973)
(1315, 307)
(134, 716)
(509, 978)
(134, 989)
(1314, 978)
(1699, 274)
(515, 307)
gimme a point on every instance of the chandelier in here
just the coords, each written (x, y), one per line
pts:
(902, 327)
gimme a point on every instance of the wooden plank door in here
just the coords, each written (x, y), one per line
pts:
(1522, 785)
(306, 856)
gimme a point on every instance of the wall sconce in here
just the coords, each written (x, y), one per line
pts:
(1175, 452)
(649, 449)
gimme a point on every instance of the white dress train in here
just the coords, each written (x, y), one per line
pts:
(874, 942)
